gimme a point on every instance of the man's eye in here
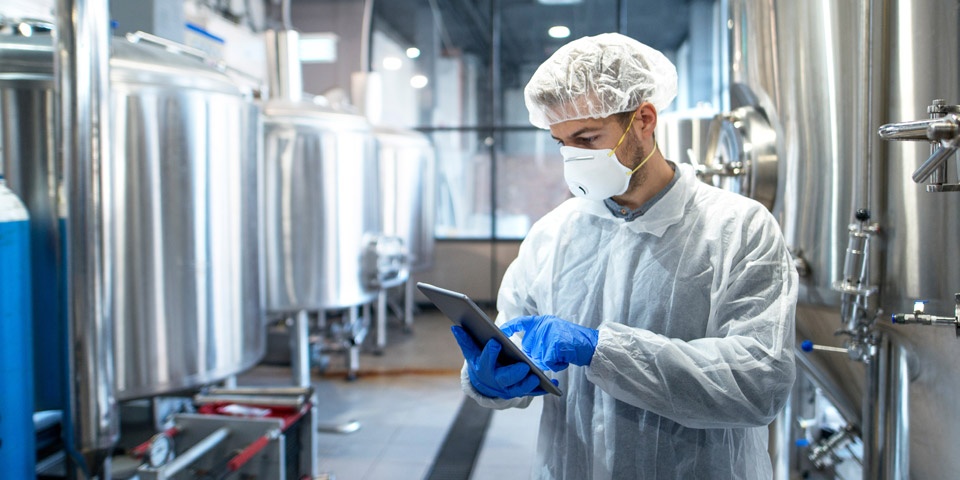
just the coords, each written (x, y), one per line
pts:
(587, 140)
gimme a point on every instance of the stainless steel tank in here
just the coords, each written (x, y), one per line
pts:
(188, 296)
(323, 216)
(183, 215)
(682, 136)
(802, 64)
(407, 167)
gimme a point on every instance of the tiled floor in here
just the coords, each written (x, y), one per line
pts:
(405, 401)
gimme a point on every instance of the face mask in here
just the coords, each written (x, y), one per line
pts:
(598, 174)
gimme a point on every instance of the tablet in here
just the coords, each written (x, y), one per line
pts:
(461, 310)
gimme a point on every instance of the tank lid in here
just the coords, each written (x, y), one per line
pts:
(137, 61)
(26, 58)
(280, 110)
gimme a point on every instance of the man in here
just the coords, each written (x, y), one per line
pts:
(665, 306)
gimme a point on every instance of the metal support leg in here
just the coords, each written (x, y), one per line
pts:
(353, 357)
(408, 304)
(381, 320)
(312, 463)
(300, 349)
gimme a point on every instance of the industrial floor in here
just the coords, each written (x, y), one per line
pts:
(406, 400)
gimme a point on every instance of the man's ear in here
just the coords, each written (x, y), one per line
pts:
(647, 116)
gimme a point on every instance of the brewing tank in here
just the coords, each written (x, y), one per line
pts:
(183, 194)
(181, 201)
(406, 164)
(826, 112)
(322, 207)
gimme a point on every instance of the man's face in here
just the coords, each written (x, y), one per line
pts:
(596, 134)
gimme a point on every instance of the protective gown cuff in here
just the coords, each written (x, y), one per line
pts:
(489, 402)
(602, 369)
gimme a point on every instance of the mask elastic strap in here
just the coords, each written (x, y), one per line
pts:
(623, 136)
(645, 159)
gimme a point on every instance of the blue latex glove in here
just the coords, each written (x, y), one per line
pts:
(489, 377)
(553, 343)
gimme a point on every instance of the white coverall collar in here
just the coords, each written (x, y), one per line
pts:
(665, 213)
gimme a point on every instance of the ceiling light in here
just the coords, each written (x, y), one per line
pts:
(413, 52)
(418, 81)
(559, 2)
(392, 63)
(559, 31)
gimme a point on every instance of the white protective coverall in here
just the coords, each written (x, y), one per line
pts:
(694, 302)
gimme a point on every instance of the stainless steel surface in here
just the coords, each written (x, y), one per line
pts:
(284, 72)
(184, 217)
(682, 136)
(83, 57)
(823, 178)
(741, 155)
(322, 207)
(887, 404)
(186, 222)
(407, 166)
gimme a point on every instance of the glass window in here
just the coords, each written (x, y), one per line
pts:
(463, 184)
(456, 70)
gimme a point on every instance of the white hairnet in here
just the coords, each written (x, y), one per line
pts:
(595, 77)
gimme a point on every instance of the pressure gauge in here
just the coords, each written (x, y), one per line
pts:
(160, 450)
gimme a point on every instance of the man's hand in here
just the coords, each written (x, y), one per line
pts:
(553, 343)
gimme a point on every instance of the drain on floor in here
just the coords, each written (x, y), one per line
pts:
(459, 451)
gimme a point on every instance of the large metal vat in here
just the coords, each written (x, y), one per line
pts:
(802, 63)
(323, 217)
(407, 166)
(184, 197)
(181, 197)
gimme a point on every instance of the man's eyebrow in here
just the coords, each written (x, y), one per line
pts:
(579, 132)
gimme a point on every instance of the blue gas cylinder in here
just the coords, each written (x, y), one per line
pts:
(17, 451)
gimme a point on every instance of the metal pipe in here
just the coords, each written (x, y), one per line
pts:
(916, 130)
(261, 401)
(198, 450)
(782, 439)
(886, 433)
(284, 74)
(930, 166)
(285, 15)
(365, 33)
(300, 348)
(260, 391)
(815, 369)
(82, 68)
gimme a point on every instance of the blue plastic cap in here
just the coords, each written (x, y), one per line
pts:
(806, 346)
(114, 24)
(893, 317)
(802, 443)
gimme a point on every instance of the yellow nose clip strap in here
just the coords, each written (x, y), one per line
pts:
(645, 159)
(655, 147)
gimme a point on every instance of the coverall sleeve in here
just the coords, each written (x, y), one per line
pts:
(511, 303)
(740, 377)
